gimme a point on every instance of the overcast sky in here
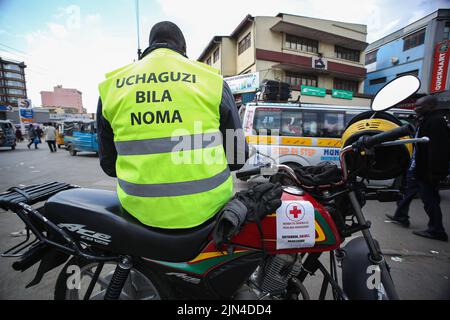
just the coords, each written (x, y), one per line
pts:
(75, 42)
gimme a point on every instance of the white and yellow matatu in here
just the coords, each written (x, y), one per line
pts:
(303, 134)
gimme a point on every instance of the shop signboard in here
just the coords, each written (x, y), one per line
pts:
(313, 91)
(440, 67)
(243, 83)
(342, 94)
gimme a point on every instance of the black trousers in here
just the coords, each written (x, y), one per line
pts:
(411, 189)
(52, 145)
(429, 193)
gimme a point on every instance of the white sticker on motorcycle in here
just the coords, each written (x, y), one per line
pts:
(295, 225)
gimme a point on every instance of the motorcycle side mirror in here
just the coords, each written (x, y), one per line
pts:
(395, 92)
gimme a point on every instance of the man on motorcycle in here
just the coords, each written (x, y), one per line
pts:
(159, 121)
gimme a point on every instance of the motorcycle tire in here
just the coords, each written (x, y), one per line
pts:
(67, 276)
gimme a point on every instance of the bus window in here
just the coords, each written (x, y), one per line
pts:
(291, 123)
(349, 116)
(310, 124)
(269, 120)
(333, 125)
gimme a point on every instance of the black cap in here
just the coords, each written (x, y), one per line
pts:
(166, 34)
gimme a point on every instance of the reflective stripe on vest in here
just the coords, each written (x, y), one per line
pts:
(163, 145)
(174, 189)
(164, 112)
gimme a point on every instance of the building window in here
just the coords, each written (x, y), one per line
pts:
(245, 43)
(13, 75)
(216, 55)
(446, 31)
(413, 73)
(414, 40)
(11, 66)
(347, 54)
(15, 92)
(377, 81)
(371, 57)
(11, 83)
(296, 79)
(302, 44)
(208, 61)
(344, 84)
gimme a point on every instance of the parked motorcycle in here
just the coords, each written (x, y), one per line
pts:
(110, 255)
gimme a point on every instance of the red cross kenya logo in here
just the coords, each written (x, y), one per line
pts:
(295, 212)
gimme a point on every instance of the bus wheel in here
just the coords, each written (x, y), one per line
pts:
(72, 151)
(13, 147)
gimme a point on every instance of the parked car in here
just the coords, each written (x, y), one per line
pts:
(7, 135)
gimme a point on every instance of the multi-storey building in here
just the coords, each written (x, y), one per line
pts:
(421, 48)
(12, 82)
(322, 60)
(69, 100)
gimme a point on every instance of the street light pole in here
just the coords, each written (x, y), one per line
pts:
(138, 30)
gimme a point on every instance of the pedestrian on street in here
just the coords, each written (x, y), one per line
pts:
(40, 133)
(32, 135)
(50, 137)
(429, 165)
(19, 136)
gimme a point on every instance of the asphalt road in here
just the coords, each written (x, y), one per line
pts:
(420, 267)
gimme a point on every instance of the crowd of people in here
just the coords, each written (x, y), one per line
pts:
(36, 135)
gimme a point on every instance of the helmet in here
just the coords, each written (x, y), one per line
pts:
(386, 162)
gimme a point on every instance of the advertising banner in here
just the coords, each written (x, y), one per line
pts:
(243, 83)
(26, 115)
(440, 67)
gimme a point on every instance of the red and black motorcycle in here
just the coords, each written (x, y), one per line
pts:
(110, 255)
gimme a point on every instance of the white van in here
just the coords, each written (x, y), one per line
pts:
(295, 134)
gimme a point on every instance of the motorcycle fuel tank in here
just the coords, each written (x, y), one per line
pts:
(325, 234)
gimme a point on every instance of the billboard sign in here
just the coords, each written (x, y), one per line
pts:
(440, 67)
(24, 103)
(243, 83)
(26, 115)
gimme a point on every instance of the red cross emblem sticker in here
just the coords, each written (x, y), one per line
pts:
(295, 212)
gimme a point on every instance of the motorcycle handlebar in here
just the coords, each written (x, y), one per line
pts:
(248, 173)
(371, 141)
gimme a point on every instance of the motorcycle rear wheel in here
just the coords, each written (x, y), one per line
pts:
(74, 279)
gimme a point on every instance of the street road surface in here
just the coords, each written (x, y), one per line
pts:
(420, 267)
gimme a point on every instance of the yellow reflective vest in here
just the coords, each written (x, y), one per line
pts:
(171, 166)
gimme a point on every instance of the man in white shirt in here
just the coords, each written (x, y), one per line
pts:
(50, 137)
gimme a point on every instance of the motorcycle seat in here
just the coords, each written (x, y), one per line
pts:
(97, 217)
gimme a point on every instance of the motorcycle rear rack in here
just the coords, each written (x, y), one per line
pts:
(21, 249)
(19, 200)
(32, 194)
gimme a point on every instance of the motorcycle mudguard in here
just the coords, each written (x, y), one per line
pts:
(51, 260)
(356, 270)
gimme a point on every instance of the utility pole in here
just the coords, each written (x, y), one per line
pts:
(138, 30)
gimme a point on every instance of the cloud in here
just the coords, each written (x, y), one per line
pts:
(74, 58)
(58, 30)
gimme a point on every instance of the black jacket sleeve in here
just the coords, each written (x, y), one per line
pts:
(234, 142)
(106, 148)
